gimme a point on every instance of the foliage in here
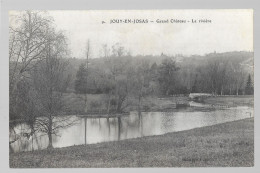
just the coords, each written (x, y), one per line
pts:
(81, 80)
(167, 76)
(249, 86)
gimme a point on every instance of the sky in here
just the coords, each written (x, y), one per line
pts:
(229, 30)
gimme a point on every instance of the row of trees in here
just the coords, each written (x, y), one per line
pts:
(217, 75)
(121, 76)
(221, 77)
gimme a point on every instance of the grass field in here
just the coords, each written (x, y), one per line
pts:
(224, 145)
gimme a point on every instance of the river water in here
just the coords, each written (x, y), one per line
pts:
(133, 125)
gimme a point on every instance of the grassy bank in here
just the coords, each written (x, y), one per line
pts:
(228, 144)
(231, 100)
(98, 102)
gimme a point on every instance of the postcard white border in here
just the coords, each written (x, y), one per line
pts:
(117, 5)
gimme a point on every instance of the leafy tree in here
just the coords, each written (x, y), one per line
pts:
(167, 76)
(81, 80)
(249, 86)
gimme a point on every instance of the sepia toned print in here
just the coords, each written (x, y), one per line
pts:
(136, 88)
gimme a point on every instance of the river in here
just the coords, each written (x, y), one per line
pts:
(130, 126)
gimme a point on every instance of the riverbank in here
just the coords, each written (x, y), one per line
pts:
(243, 100)
(228, 144)
(98, 103)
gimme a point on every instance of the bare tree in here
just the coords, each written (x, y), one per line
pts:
(26, 44)
(118, 84)
(222, 76)
(239, 77)
(142, 81)
(217, 76)
(87, 53)
(105, 50)
(118, 50)
(50, 82)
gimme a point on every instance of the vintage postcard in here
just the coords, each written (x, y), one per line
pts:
(131, 88)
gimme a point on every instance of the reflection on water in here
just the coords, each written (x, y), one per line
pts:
(131, 126)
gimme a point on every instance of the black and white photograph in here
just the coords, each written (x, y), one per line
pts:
(131, 88)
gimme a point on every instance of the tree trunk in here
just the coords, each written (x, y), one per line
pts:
(86, 101)
(32, 132)
(119, 105)
(119, 128)
(32, 142)
(50, 146)
(85, 120)
(141, 124)
(108, 123)
(36, 140)
(167, 92)
(139, 103)
(108, 106)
